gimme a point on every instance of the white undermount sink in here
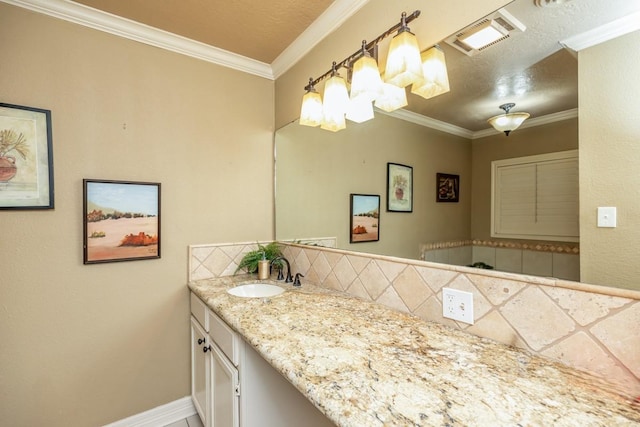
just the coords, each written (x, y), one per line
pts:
(256, 290)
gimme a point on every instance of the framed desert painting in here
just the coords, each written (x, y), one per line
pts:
(365, 218)
(121, 221)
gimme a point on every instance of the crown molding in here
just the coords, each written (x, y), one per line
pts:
(334, 16)
(425, 121)
(603, 33)
(537, 121)
(112, 24)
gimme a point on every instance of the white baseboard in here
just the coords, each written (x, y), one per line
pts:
(159, 416)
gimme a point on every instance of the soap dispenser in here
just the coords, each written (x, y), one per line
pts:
(263, 268)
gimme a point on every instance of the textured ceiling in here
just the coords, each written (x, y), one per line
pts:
(259, 30)
(531, 69)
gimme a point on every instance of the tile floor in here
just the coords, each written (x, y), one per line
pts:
(192, 421)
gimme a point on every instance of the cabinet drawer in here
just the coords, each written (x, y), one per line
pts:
(199, 311)
(224, 337)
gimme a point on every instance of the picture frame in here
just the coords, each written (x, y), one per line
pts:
(26, 158)
(121, 220)
(447, 188)
(399, 188)
(364, 223)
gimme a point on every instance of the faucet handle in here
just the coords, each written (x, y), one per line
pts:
(296, 281)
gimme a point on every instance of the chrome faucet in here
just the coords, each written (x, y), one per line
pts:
(289, 278)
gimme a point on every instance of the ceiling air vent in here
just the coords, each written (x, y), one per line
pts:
(485, 33)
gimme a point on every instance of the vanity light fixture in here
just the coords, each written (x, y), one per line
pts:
(336, 102)
(365, 82)
(404, 66)
(392, 98)
(311, 111)
(426, 72)
(435, 80)
(508, 122)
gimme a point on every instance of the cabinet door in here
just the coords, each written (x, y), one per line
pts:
(199, 369)
(225, 393)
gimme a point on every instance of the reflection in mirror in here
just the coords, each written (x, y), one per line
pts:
(316, 171)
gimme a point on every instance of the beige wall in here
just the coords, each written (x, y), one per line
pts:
(88, 345)
(438, 20)
(610, 153)
(550, 138)
(316, 171)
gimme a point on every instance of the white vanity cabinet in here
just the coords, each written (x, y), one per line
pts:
(200, 357)
(199, 369)
(215, 386)
(233, 386)
(226, 348)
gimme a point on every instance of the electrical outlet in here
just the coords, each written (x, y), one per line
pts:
(457, 305)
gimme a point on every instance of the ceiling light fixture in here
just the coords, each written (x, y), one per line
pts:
(508, 122)
(483, 35)
(427, 72)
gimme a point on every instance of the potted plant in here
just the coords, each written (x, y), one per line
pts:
(250, 260)
(11, 141)
(400, 185)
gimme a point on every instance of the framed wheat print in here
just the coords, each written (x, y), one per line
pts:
(26, 158)
(399, 188)
(121, 221)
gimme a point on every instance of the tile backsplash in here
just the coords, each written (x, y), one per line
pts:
(561, 260)
(593, 328)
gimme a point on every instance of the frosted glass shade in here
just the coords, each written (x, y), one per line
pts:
(333, 122)
(336, 103)
(360, 110)
(392, 98)
(311, 110)
(508, 122)
(366, 81)
(435, 80)
(404, 65)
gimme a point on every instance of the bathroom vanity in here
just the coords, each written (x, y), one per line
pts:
(232, 385)
(363, 364)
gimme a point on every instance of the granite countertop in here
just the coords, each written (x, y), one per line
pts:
(363, 364)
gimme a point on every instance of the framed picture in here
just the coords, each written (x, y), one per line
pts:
(121, 221)
(447, 187)
(399, 188)
(365, 218)
(26, 158)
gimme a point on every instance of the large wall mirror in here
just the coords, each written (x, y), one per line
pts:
(317, 170)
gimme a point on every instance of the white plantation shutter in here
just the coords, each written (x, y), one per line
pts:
(536, 197)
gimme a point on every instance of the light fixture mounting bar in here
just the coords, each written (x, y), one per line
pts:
(508, 106)
(403, 22)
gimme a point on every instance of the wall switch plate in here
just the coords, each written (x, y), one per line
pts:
(607, 217)
(457, 305)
